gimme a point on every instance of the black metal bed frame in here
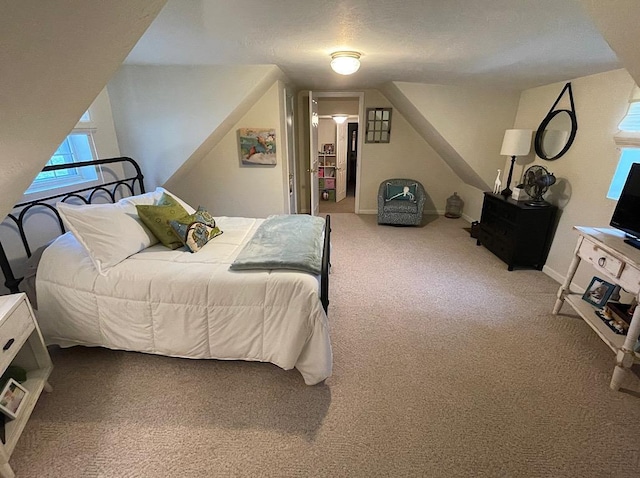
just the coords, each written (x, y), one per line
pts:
(19, 213)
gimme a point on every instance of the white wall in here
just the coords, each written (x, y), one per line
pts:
(104, 136)
(407, 155)
(165, 116)
(56, 57)
(585, 171)
(465, 126)
(227, 188)
(330, 106)
(326, 132)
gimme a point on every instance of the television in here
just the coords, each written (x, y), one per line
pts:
(626, 215)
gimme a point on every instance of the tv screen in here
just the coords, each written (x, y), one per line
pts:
(626, 215)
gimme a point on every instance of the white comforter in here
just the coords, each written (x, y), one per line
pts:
(186, 305)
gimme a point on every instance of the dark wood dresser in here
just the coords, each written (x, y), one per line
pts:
(518, 234)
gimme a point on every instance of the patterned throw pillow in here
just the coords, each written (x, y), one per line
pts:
(157, 218)
(401, 192)
(196, 230)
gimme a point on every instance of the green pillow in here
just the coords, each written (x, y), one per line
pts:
(196, 230)
(157, 218)
(398, 192)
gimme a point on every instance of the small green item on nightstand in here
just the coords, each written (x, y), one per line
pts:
(13, 371)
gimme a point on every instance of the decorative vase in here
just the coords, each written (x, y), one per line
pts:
(325, 195)
(454, 206)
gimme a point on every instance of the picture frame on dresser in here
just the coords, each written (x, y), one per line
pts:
(598, 292)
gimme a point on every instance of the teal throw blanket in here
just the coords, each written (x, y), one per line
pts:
(284, 242)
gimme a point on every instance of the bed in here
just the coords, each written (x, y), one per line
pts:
(175, 302)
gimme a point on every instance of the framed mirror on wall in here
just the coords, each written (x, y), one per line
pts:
(378, 125)
(557, 130)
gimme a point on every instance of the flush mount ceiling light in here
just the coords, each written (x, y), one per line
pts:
(339, 118)
(345, 62)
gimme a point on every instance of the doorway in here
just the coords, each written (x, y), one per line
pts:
(339, 186)
(347, 203)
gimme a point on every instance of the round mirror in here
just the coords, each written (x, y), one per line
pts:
(555, 134)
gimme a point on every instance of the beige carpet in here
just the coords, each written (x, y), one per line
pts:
(348, 204)
(445, 365)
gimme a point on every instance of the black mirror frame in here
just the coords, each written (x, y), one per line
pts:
(547, 119)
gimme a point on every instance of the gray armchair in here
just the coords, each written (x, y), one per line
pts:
(400, 201)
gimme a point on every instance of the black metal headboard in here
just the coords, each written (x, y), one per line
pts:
(86, 195)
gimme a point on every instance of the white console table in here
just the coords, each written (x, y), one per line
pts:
(619, 263)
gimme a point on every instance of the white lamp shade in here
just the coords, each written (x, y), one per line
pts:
(345, 62)
(516, 142)
(340, 118)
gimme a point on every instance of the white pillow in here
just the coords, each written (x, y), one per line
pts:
(109, 232)
(151, 198)
(112, 232)
(146, 198)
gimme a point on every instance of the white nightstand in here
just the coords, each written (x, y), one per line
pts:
(21, 344)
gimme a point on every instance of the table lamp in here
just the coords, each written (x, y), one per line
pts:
(516, 142)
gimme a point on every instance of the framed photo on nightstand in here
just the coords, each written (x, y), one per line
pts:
(12, 398)
(598, 292)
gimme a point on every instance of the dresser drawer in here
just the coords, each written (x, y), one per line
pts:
(601, 259)
(17, 326)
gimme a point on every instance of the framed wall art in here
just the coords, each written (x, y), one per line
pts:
(257, 146)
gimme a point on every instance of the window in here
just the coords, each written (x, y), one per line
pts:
(628, 156)
(78, 146)
(628, 139)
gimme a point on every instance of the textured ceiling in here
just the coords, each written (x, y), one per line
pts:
(498, 43)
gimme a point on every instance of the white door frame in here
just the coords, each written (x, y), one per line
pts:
(290, 144)
(313, 155)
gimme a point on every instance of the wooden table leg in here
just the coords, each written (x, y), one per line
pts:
(6, 471)
(626, 355)
(566, 285)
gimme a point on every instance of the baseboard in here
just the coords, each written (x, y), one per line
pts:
(559, 278)
(433, 212)
(467, 218)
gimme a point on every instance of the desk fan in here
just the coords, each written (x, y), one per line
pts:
(537, 181)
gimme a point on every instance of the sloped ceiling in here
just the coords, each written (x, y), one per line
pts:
(56, 57)
(618, 22)
(499, 43)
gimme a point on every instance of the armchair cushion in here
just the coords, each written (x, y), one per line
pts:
(400, 192)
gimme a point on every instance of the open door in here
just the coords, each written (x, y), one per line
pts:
(313, 155)
(341, 161)
(291, 159)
